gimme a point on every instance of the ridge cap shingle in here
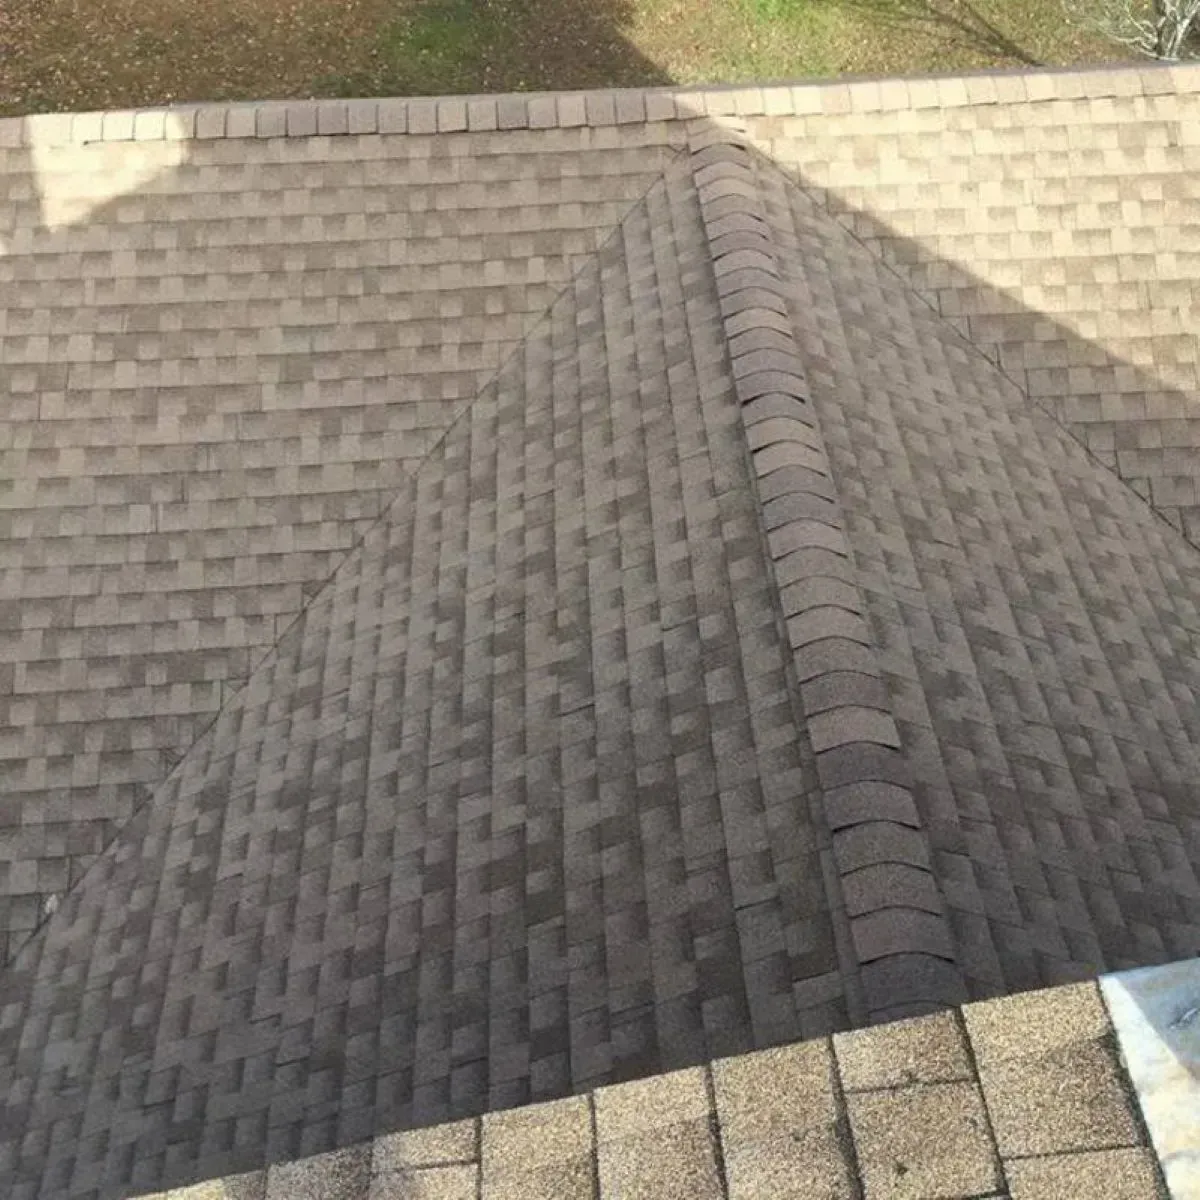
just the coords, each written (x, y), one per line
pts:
(900, 934)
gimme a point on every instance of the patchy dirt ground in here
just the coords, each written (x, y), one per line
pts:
(83, 54)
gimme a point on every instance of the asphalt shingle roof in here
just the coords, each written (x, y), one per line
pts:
(499, 613)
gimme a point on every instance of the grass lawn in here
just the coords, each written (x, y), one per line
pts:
(83, 54)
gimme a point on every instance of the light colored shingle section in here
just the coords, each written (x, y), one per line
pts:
(806, 98)
(512, 112)
(118, 126)
(302, 119)
(778, 1115)
(952, 93)
(87, 127)
(655, 1137)
(927, 1050)
(543, 112)
(572, 109)
(1050, 1076)
(1036, 1024)
(241, 121)
(630, 107)
(427, 1183)
(338, 1175)
(422, 116)
(210, 122)
(1041, 86)
(333, 117)
(1091, 175)
(784, 1128)
(392, 116)
(601, 108)
(777, 101)
(451, 115)
(925, 93)
(481, 114)
(362, 116)
(457, 1142)
(270, 120)
(835, 98)
(924, 1140)
(660, 106)
(48, 129)
(542, 1152)
(748, 102)
(1126, 1174)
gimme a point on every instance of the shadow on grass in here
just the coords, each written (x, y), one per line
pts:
(455, 46)
(957, 22)
(175, 51)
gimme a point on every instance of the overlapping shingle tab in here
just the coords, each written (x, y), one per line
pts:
(612, 620)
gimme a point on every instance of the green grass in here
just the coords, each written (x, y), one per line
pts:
(440, 46)
(775, 39)
(61, 54)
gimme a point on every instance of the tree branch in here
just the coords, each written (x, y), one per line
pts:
(1156, 28)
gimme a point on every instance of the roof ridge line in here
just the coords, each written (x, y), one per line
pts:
(900, 934)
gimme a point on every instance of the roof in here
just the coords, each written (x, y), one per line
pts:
(496, 612)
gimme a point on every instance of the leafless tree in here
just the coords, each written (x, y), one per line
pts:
(1156, 28)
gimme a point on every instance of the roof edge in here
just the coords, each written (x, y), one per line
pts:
(425, 115)
(814, 1111)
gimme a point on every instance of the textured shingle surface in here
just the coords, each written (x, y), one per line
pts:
(219, 359)
(518, 807)
(1038, 626)
(896, 916)
(1058, 228)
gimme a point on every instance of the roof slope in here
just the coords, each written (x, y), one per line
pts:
(226, 330)
(1038, 627)
(221, 356)
(1054, 219)
(955, 1103)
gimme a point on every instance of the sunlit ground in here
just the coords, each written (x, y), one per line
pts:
(84, 54)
